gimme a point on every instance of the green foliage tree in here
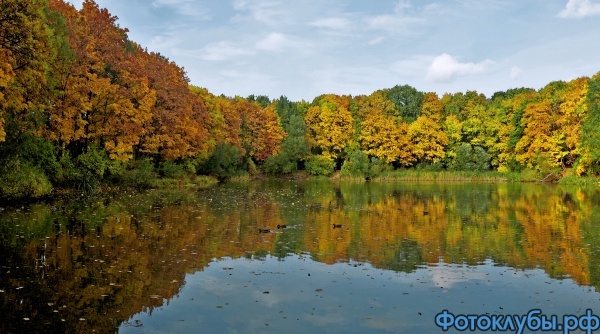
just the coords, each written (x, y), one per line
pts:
(224, 162)
(470, 158)
(294, 149)
(590, 131)
(261, 100)
(407, 101)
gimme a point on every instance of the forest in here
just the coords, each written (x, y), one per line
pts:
(82, 105)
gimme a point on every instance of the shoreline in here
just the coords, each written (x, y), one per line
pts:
(198, 182)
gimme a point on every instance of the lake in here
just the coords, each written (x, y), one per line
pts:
(288, 256)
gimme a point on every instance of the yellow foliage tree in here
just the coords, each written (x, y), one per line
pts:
(329, 125)
(381, 137)
(453, 129)
(572, 111)
(428, 139)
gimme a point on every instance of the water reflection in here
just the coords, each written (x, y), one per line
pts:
(272, 296)
(91, 264)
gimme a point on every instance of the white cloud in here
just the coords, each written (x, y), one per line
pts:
(223, 50)
(277, 42)
(164, 41)
(376, 41)
(184, 8)
(264, 11)
(273, 42)
(580, 8)
(398, 21)
(160, 3)
(446, 68)
(231, 74)
(336, 23)
(515, 73)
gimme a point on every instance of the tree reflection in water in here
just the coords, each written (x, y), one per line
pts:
(91, 264)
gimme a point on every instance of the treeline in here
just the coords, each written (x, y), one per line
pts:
(81, 104)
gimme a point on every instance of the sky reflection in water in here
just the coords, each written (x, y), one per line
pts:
(298, 295)
(183, 261)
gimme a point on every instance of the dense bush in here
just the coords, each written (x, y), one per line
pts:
(357, 165)
(224, 162)
(320, 165)
(378, 167)
(94, 160)
(280, 163)
(471, 159)
(139, 174)
(171, 169)
(19, 179)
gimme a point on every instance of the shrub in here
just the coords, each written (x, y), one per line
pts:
(89, 169)
(471, 159)
(41, 153)
(94, 160)
(170, 169)
(378, 167)
(20, 179)
(223, 162)
(279, 164)
(189, 166)
(140, 174)
(320, 165)
(357, 165)
(251, 166)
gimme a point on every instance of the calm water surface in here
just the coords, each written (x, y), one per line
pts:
(296, 257)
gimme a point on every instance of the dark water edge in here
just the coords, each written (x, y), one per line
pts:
(122, 263)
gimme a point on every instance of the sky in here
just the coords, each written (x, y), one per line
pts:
(304, 48)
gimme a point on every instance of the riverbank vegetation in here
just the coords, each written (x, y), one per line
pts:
(83, 105)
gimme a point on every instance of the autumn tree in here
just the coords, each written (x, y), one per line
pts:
(452, 127)
(428, 140)
(329, 125)
(180, 121)
(24, 40)
(590, 135)
(100, 100)
(260, 130)
(224, 117)
(573, 109)
(432, 107)
(542, 145)
(507, 108)
(387, 140)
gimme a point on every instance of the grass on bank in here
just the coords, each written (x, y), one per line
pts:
(465, 176)
(415, 175)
